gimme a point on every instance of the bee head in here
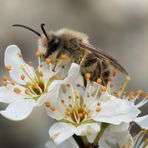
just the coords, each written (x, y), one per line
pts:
(48, 42)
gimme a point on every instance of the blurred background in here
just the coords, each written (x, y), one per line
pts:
(118, 26)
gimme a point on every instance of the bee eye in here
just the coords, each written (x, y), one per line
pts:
(52, 46)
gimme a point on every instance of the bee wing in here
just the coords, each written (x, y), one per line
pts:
(104, 55)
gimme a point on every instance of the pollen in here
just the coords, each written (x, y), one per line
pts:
(98, 108)
(87, 75)
(5, 78)
(52, 108)
(104, 88)
(57, 78)
(17, 90)
(63, 56)
(80, 114)
(48, 60)
(47, 104)
(30, 63)
(139, 92)
(4, 83)
(40, 73)
(38, 53)
(99, 81)
(27, 91)
(8, 67)
(12, 82)
(28, 84)
(23, 77)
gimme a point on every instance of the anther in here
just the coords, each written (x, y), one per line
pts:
(30, 63)
(146, 95)
(47, 104)
(8, 67)
(87, 75)
(104, 88)
(48, 60)
(23, 77)
(139, 92)
(69, 97)
(5, 78)
(63, 56)
(40, 73)
(146, 140)
(80, 114)
(27, 91)
(57, 78)
(99, 81)
(38, 53)
(98, 108)
(68, 85)
(28, 84)
(4, 83)
(144, 131)
(17, 90)
(62, 101)
(12, 82)
(52, 108)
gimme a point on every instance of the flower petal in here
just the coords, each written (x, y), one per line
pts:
(87, 129)
(18, 110)
(116, 111)
(59, 132)
(13, 59)
(142, 121)
(7, 96)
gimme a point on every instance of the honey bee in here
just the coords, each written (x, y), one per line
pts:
(75, 45)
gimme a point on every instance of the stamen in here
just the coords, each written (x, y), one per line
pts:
(8, 67)
(80, 114)
(4, 83)
(57, 77)
(144, 131)
(98, 108)
(28, 84)
(30, 63)
(17, 90)
(40, 73)
(38, 53)
(27, 91)
(48, 60)
(146, 95)
(146, 140)
(23, 77)
(12, 82)
(104, 88)
(99, 81)
(5, 78)
(139, 92)
(62, 101)
(52, 108)
(87, 75)
(47, 104)
(63, 56)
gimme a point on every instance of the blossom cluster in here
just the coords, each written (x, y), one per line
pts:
(93, 114)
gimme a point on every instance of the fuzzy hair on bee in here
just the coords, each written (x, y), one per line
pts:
(75, 45)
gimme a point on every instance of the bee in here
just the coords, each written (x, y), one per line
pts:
(75, 45)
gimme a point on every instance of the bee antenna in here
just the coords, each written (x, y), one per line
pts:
(43, 29)
(18, 25)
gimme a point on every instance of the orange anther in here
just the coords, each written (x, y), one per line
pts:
(38, 53)
(67, 113)
(87, 75)
(12, 82)
(48, 60)
(8, 67)
(98, 108)
(47, 104)
(5, 78)
(146, 95)
(80, 114)
(63, 56)
(57, 77)
(17, 90)
(99, 81)
(27, 91)
(4, 83)
(40, 73)
(23, 77)
(52, 108)
(139, 92)
(28, 84)
(144, 131)
(104, 88)
(30, 63)
(132, 93)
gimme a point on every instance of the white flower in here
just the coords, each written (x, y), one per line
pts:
(27, 88)
(80, 110)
